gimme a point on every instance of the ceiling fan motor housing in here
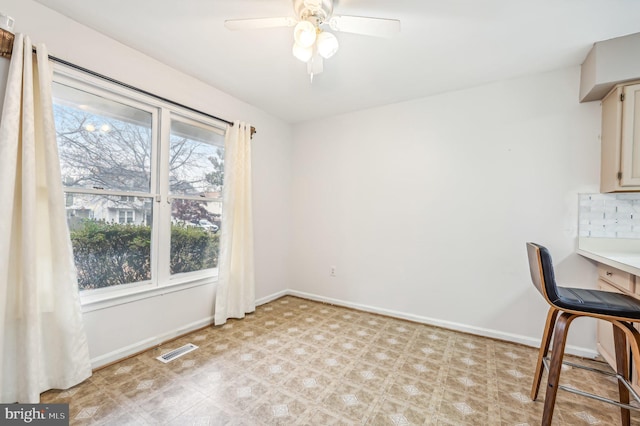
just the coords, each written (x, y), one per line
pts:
(318, 10)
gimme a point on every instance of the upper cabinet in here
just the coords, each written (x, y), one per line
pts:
(620, 170)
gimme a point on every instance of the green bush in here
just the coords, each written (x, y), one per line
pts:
(192, 249)
(108, 254)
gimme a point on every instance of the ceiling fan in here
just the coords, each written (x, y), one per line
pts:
(312, 43)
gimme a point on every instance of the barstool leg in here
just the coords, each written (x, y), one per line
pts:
(622, 367)
(559, 341)
(544, 350)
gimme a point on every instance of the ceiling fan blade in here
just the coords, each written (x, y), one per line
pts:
(378, 27)
(257, 23)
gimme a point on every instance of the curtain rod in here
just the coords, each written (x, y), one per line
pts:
(6, 48)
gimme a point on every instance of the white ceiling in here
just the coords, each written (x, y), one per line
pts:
(444, 45)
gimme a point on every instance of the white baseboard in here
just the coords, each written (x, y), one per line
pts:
(146, 344)
(479, 331)
(272, 297)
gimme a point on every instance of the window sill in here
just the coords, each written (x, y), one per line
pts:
(103, 300)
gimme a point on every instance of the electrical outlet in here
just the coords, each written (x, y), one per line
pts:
(332, 270)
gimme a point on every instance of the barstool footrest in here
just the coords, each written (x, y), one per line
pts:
(620, 378)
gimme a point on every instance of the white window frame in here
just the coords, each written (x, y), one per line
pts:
(162, 282)
(126, 213)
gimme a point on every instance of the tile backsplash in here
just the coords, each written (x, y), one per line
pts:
(609, 215)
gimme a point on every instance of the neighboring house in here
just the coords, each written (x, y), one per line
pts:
(129, 210)
(125, 209)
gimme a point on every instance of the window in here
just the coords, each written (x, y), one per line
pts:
(195, 188)
(143, 184)
(125, 216)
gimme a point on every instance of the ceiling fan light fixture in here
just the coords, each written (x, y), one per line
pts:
(311, 44)
(305, 34)
(327, 44)
(302, 53)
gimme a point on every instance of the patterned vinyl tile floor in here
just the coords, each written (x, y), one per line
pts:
(300, 362)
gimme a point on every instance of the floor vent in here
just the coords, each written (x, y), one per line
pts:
(177, 353)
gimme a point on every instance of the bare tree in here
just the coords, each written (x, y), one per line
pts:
(116, 154)
(112, 155)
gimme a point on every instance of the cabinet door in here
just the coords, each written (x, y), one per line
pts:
(634, 367)
(604, 331)
(630, 155)
(610, 141)
(605, 343)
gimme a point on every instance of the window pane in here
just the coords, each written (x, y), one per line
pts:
(196, 160)
(111, 238)
(126, 216)
(195, 235)
(102, 143)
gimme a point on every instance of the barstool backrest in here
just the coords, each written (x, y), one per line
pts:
(541, 269)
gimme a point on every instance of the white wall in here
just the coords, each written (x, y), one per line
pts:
(424, 207)
(116, 331)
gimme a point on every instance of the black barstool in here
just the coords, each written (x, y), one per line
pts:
(568, 304)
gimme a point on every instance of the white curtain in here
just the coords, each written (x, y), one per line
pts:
(235, 295)
(42, 340)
